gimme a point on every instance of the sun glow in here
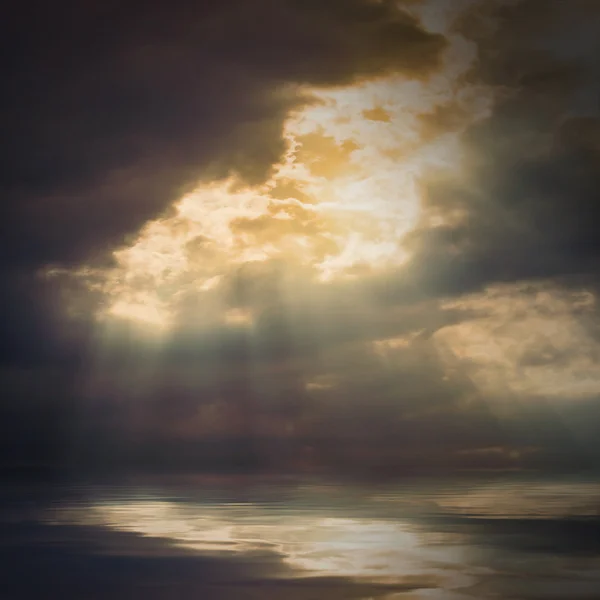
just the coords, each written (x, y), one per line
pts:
(526, 340)
(340, 203)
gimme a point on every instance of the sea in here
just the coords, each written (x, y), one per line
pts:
(239, 537)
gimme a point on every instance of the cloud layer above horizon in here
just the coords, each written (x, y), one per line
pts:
(297, 235)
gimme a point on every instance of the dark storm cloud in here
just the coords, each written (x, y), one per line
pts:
(531, 192)
(352, 404)
(357, 391)
(110, 112)
(114, 112)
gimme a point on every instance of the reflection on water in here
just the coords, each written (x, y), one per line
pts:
(361, 547)
(506, 539)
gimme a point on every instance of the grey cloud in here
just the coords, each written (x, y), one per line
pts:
(175, 93)
(115, 111)
(110, 113)
(530, 190)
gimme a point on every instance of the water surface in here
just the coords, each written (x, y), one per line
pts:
(266, 539)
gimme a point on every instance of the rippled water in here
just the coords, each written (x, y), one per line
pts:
(219, 538)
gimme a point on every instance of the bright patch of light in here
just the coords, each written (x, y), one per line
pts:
(345, 195)
(370, 549)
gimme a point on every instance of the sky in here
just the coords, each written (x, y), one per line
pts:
(349, 236)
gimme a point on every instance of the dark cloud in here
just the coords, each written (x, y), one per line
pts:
(349, 403)
(314, 383)
(529, 199)
(115, 111)
(112, 112)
